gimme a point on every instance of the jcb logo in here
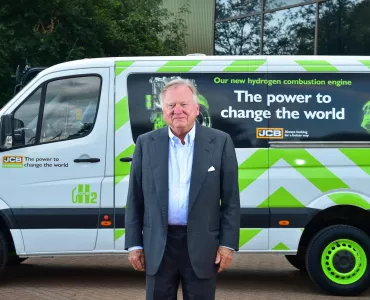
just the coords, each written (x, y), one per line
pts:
(12, 161)
(269, 133)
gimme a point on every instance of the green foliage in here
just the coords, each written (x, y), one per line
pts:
(47, 32)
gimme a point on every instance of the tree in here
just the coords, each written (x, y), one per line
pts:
(54, 31)
(344, 27)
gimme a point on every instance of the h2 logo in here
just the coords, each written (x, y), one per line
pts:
(83, 195)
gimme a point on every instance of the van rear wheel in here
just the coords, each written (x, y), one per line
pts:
(297, 261)
(337, 260)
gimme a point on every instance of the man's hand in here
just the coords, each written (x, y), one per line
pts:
(137, 259)
(224, 258)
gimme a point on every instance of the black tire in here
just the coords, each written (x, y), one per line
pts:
(15, 260)
(3, 252)
(297, 261)
(339, 260)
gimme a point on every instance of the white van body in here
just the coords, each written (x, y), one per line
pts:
(299, 124)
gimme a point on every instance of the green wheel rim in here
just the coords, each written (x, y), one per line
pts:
(351, 255)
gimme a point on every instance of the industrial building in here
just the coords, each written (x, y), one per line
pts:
(276, 27)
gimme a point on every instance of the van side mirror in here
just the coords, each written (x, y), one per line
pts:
(19, 133)
(6, 131)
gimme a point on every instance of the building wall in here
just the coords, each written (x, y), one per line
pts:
(292, 27)
(277, 27)
(199, 22)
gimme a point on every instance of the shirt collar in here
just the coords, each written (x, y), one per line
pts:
(189, 138)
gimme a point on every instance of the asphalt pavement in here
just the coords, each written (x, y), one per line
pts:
(251, 276)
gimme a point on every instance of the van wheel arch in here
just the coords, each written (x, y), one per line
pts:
(297, 261)
(3, 251)
(334, 215)
(12, 257)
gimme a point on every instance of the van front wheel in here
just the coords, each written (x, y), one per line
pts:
(338, 260)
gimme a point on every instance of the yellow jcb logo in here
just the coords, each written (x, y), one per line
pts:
(269, 133)
(12, 159)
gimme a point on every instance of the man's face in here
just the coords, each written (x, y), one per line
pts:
(179, 108)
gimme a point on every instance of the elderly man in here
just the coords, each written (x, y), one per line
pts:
(183, 206)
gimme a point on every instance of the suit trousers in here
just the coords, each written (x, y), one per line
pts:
(175, 268)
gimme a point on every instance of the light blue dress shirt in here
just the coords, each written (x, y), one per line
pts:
(180, 160)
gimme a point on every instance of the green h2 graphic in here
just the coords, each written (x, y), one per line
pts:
(83, 195)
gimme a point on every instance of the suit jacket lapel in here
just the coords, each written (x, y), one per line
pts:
(159, 162)
(203, 151)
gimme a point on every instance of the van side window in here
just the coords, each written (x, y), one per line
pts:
(70, 108)
(25, 120)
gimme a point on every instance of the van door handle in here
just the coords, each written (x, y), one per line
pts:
(90, 160)
(125, 159)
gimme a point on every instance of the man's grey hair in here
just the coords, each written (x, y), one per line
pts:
(177, 82)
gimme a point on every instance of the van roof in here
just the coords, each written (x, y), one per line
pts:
(278, 59)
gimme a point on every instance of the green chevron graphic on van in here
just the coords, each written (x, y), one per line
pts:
(316, 65)
(354, 199)
(252, 168)
(122, 65)
(281, 198)
(122, 169)
(360, 156)
(179, 66)
(121, 113)
(312, 169)
(118, 233)
(246, 234)
(281, 246)
(366, 63)
(250, 65)
(237, 66)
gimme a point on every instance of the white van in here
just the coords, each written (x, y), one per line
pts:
(300, 125)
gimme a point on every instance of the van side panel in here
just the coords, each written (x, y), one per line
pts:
(282, 188)
(123, 147)
(138, 84)
(321, 105)
(105, 241)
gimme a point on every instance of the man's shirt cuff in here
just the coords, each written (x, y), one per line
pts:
(134, 248)
(228, 248)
